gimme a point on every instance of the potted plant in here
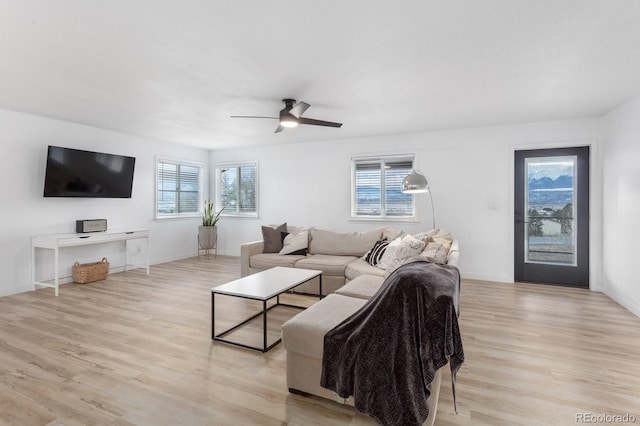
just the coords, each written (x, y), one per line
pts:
(208, 231)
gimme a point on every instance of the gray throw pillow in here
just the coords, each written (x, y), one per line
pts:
(272, 238)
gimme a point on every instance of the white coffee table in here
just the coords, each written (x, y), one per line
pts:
(263, 286)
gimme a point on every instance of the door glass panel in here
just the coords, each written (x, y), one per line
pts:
(550, 194)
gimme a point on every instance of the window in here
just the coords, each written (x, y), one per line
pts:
(179, 188)
(237, 189)
(377, 188)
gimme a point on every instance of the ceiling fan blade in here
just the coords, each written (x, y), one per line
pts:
(251, 116)
(279, 129)
(298, 109)
(303, 120)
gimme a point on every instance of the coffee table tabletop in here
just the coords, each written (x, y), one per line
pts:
(261, 286)
(267, 284)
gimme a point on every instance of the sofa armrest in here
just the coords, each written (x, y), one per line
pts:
(246, 251)
(454, 253)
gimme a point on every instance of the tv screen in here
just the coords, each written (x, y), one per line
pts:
(77, 173)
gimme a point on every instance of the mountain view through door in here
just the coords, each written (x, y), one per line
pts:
(551, 219)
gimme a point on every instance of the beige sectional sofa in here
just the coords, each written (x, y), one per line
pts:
(348, 281)
(337, 255)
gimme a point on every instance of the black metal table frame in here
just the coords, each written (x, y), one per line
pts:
(265, 348)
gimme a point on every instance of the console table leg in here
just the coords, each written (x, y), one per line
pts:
(56, 280)
(33, 268)
(147, 256)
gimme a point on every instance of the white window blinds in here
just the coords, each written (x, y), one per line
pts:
(377, 187)
(179, 188)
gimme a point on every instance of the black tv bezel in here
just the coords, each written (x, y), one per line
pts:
(86, 194)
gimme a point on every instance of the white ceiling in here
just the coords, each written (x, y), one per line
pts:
(176, 70)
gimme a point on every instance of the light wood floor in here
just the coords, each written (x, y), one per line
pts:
(137, 349)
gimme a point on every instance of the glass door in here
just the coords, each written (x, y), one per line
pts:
(552, 216)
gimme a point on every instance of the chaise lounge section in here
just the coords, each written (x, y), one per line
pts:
(350, 281)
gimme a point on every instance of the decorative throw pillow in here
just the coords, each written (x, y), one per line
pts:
(436, 253)
(446, 242)
(408, 247)
(295, 244)
(426, 236)
(272, 238)
(442, 233)
(374, 255)
(389, 252)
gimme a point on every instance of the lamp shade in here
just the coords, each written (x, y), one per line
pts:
(415, 183)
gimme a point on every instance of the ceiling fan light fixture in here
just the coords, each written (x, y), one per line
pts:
(287, 120)
(291, 115)
(288, 123)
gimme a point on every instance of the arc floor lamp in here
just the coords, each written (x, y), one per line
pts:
(416, 183)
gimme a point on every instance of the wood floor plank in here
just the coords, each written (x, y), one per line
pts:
(136, 350)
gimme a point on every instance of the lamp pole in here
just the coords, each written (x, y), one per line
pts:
(416, 183)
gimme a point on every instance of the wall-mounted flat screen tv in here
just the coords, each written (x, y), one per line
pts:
(77, 173)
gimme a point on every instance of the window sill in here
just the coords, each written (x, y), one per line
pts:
(385, 219)
(190, 216)
(240, 215)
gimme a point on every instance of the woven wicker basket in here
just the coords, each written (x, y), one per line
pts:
(90, 272)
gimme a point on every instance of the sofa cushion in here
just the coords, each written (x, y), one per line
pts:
(391, 234)
(329, 265)
(304, 333)
(342, 244)
(272, 237)
(270, 260)
(362, 287)
(360, 267)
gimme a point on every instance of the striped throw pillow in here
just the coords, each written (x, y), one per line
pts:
(374, 255)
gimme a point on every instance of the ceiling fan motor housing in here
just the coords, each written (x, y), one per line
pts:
(286, 118)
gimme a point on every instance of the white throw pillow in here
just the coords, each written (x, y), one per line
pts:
(409, 246)
(295, 242)
(389, 252)
(436, 252)
(425, 236)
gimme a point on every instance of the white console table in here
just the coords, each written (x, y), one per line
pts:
(56, 242)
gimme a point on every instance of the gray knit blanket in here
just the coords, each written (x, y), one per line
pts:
(387, 353)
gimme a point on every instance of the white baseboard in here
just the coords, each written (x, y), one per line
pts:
(15, 290)
(486, 277)
(174, 258)
(67, 279)
(623, 300)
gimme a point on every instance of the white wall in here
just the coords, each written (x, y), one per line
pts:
(470, 173)
(25, 212)
(621, 204)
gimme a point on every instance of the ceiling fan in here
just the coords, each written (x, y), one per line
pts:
(291, 116)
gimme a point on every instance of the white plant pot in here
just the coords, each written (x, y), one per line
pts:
(207, 237)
